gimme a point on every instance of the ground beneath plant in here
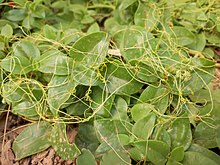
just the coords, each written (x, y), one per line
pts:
(11, 126)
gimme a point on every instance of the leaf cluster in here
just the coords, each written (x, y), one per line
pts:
(134, 75)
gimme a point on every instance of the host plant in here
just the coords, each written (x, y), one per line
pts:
(133, 75)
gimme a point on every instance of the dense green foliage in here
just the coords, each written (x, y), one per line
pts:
(134, 75)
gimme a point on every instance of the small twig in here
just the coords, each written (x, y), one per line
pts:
(5, 128)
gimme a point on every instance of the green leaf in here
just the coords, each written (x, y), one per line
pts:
(144, 127)
(148, 72)
(205, 136)
(141, 110)
(107, 145)
(86, 75)
(26, 108)
(20, 2)
(24, 96)
(70, 36)
(4, 22)
(101, 101)
(7, 31)
(123, 139)
(89, 53)
(112, 26)
(120, 80)
(147, 16)
(193, 78)
(177, 153)
(153, 150)
(2, 46)
(125, 11)
(158, 96)
(33, 139)
(90, 49)
(206, 94)
(16, 65)
(160, 133)
(106, 129)
(115, 157)
(199, 155)
(200, 76)
(27, 49)
(130, 42)
(50, 32)
(78, 108)
(182, 36)
(16, 14)
(173, 162)
(218, 25)
(93, 28)
(87, 19)
(180, 132)
(194, 158)
(86, 158)
(28, 22)
(199, 42)
(60, 143)
(136, 154)
(15, 91)
(120, 109)
(60, 89)
(39, 10)
(213, 39)
(54, 61)
(12, 92)
(208, 53)
(86, 137)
